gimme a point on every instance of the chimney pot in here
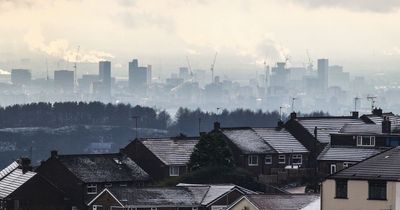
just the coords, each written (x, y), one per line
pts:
(386, 125)
(280, 124)
(377, 111)
(217, 125)
(354, 114)
(25, 164)
(293, 115)
(54, 154)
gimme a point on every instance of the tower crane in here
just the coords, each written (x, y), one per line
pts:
(310, 62)
(212, 67)
(190, 67)
(76, 67)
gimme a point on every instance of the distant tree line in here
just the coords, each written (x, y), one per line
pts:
(186, 121)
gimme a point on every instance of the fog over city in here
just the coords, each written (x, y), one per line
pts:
(178, 43)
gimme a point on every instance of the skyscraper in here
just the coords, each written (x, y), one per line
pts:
(21, 76)
(138, 76)
(64, 80)
(105, 77)
(323, 68)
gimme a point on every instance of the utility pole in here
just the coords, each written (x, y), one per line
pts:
(136, 125)
(218, 108)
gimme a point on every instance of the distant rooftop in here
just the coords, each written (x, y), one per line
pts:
(351, 154)
(11, 178)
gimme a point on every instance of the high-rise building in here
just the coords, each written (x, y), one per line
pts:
(21, 76)
(149, 74)
(64, 80)
(323, 71)
(138, 76)
(105, 77)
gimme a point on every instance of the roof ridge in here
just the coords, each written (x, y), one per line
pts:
(264, 140)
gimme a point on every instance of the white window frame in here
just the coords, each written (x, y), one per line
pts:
(91, 186)
(96, 206)
(173, 170)
(218, 207)
(268, 157)
(123, 185)
(333, 168)
(361, 143)
(153, 208)
(282, 157)
(297, 156)
(250, 160)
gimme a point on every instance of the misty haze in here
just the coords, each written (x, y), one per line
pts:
(199, 104)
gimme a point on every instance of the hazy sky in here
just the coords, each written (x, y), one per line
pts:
(359, 34)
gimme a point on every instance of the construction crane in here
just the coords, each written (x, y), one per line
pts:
(190, 67)
(76, 67)
(310, 62)
(212, 67)
(372, 99)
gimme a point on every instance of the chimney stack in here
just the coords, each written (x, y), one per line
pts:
(280, 124)
(25, 164)
(386, 125)
(377, 111)
(217, 125)
(293, 116)
(54, 154)
(354, 114)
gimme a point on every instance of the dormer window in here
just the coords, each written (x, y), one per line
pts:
(366, 141)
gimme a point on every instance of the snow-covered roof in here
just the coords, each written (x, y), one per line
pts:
(350, 154)
(11, 178)
(91, 168)
(263, 140)
(285, 202)
(171, 151)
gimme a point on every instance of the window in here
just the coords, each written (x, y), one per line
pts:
(333, 168)
(367, 141)
(347, 164)
(268, 159)
(174, 171)
(91, 189)
(377, 190)
(218, 207)
(252, 160)
(97, 207)
(297, 159)
(281, 159)
(341, 188)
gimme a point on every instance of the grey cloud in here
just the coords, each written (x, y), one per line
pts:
(379, 6)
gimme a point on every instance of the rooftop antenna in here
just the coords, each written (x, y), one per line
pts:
(293, 100)
(136, 125)
(212, 67)
(218, 108)
(280, 112)
(355, 103)
(372, 99)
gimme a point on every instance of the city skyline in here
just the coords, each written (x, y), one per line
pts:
(244, 33)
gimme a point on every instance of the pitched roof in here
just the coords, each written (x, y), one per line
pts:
(263, 140)
(11, 178)
(350, 154)
(171, 151)
(383, 166)
(189, 195)
(283, 202)
(377, 119)
(364, 129)
(91, 168)
(326, 125)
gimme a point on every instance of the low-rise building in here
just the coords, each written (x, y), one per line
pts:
(370, 184)
(162, 157)
(82, 177)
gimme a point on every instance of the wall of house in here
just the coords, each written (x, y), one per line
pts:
(38, 194)
(60, 176)
(243, 204)
(147, 160)
(357, 193)
(105, 200)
